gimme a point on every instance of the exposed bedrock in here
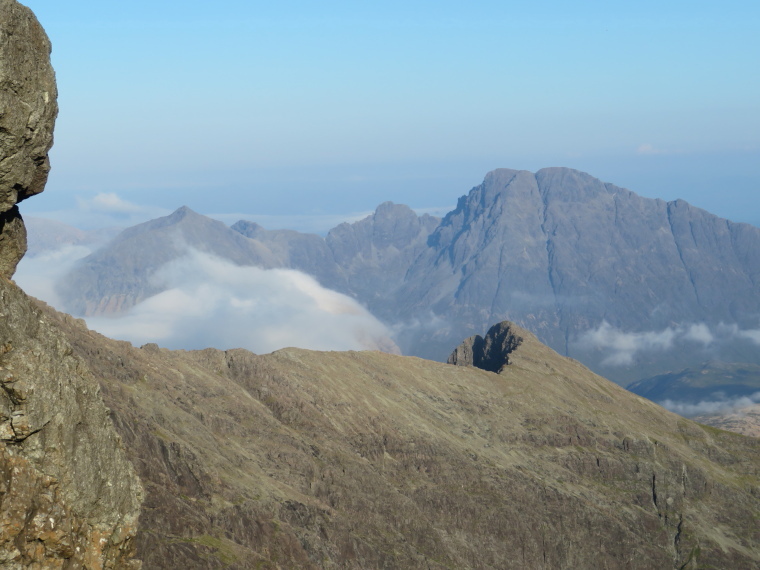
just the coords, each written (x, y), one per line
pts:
(28, 110)
(490, 352)
(69, 498)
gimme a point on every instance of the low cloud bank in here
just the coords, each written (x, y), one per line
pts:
(37, 275)
(720, 405)
(210, 302)
(622, 347)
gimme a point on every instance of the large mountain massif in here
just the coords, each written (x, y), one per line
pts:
(559, 252)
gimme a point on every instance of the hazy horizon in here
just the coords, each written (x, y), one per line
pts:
(303, 115)
(328, 110)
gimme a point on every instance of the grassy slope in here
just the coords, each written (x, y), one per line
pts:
(306, 459)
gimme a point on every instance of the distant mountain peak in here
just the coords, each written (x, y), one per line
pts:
(182, 212)
(180, 215)
(387, 207)
(247, 228)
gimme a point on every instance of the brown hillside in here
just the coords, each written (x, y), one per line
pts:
(302, 459)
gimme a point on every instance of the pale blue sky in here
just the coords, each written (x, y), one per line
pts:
(333, 107)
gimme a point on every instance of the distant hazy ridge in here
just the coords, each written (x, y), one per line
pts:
(559, 252)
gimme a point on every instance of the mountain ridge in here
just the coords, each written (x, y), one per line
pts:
(559, 252)
(364, 459)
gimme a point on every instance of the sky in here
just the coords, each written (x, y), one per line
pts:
(301, 114)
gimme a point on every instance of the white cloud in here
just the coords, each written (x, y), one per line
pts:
(647, 148)
(699, 333)
(622, 347)
(716, 406)
(37, 275)
(210, 302)
(733, 331)
(753, 335)
(110, 202)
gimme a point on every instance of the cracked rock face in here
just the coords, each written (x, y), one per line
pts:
(68, 495)
(69, 498)
(28, 110)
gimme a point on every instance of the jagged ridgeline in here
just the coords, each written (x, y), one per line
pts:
(303, 459)
(558, 252)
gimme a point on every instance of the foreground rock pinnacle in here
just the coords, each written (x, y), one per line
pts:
(28, 110)
(69, 497)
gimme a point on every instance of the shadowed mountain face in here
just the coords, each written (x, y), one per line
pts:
(301, 459)
(569, 257)
(561, 252)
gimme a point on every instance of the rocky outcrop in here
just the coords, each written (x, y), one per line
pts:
(28, 110)
(67, 492)
(490, 353)
(69, 498)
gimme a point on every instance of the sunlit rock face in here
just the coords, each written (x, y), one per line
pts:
(69, 498)
(28, 110)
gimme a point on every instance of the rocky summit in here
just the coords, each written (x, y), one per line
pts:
(490, 353)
